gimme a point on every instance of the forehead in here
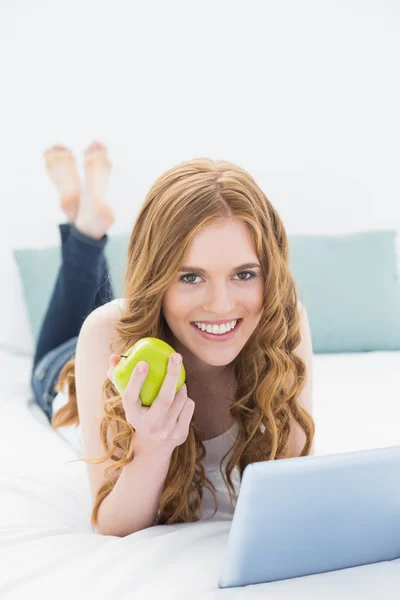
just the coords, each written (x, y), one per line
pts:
(227, 241)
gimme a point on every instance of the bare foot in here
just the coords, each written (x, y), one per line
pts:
(94, 214)
(61, 166)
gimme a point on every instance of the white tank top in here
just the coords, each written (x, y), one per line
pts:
(215, 448)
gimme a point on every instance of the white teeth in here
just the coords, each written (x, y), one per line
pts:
(216, 329)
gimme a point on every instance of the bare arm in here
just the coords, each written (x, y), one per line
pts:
(133, 503)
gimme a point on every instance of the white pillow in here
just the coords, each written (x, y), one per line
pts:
(15, 332)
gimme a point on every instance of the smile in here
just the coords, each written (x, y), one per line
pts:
(219, 335)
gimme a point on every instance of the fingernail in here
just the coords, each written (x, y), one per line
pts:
(142, 366)
(177, 358)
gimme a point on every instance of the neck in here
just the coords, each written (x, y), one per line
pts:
(210, 391)
(213, 401)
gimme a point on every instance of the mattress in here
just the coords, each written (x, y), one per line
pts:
(46, 542)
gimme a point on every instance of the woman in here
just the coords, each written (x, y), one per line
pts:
(207, 247)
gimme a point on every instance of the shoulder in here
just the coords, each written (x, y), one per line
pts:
(305, 352)
(102, 320)
(304, 327)
(107, 313)
(112, 310)
(304, 349)
(301, 308)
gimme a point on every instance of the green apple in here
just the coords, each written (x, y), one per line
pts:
(155, 353)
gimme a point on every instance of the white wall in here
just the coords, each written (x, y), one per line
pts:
(304, 95)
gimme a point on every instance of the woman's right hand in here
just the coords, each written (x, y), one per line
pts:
(164, 425)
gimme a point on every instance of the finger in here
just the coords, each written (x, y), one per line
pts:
(114, 359)
(185, 417)
(130, 398)
(177, 406)
(167, 391)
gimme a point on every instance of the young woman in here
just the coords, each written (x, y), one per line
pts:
(207, 272)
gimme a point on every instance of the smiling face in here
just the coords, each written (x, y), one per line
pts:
(215, 286)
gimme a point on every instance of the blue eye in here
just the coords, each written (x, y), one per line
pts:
(182, 279)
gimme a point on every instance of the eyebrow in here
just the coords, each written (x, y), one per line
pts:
(250, 265)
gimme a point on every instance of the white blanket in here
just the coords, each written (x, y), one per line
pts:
(47, 547)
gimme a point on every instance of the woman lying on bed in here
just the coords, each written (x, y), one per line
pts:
(207, 249)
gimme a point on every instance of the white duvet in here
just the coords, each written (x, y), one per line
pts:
(47, 548)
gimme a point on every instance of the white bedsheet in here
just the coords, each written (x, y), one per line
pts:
(47, 546)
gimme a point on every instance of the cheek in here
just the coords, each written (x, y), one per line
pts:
(255, 301)
(175, 305)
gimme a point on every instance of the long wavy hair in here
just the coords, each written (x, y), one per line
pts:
(183, 201)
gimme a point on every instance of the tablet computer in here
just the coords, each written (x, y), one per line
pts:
(313, 514)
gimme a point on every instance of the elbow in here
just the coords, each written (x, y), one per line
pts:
(113, 530)
(107, 531)
(100, 529)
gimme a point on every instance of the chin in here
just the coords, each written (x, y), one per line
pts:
(217, 359)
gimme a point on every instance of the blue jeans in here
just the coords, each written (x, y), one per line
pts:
(83, 284)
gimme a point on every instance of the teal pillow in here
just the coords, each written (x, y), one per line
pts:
(350, 288)
(42, 265)
(348, 284)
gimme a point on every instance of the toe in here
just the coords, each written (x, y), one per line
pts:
(56, 151)
(94, 147)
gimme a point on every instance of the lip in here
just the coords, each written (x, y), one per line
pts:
(218, 338)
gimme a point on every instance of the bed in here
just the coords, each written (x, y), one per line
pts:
(47, 546)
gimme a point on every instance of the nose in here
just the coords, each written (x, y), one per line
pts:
(219, 300)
